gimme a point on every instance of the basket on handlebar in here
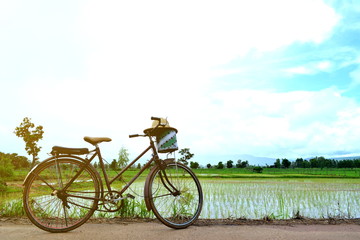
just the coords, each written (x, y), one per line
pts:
(165, 136)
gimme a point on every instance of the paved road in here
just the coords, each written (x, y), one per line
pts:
(153, 230)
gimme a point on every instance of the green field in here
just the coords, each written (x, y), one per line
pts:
(14, 182)
(242, 193)
(280, 173)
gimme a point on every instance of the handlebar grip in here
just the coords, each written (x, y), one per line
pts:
(134, 135)
(155, 118)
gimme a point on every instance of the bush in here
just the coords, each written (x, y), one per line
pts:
(3, 185)
(258, 169)
(6, 171)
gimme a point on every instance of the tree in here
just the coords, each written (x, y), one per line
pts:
(194, 165)
(299, 162)
(185, 155)
(306, 164)
(17, 162)
(208, 165)
(113, 164)
(123, 158)
(285, 163)
(277, 163)
(238, 164)
(220, 165)
(31, 134)
(229, 164)
(95, 165)
(6, 168)
(244, 164)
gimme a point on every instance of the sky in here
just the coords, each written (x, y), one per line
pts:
(275, 79)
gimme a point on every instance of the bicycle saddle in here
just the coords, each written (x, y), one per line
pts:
(96, 140)
(64, 150)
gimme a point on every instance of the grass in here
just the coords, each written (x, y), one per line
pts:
(279, 173)
(241, 193)
(12, 209)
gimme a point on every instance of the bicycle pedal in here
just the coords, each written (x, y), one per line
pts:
(130, 196)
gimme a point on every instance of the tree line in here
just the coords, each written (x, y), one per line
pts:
(316, 162)
(10, 162)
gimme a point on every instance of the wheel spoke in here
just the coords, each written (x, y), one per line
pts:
(177, 209)
(54, 209)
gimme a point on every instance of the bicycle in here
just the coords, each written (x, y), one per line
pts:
(63, 191)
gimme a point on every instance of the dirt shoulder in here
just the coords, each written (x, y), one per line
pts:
(207, 222)
(117, 228)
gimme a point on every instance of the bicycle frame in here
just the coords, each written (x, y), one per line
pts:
(108, 181)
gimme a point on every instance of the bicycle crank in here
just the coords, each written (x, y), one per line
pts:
(113, 201)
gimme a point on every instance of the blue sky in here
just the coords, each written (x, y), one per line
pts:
(267, 78)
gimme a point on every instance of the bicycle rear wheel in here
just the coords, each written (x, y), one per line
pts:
(52, 206)
(175, 195)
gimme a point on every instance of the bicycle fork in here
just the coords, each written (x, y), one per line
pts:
(168, 185)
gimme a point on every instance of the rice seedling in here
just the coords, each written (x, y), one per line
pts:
(247, 198)
(281, 199)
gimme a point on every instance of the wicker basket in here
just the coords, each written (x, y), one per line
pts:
(165, 136)
(166, 141)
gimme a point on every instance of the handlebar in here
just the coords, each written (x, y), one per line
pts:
(152, 118)
(134, 135)
(156, 118)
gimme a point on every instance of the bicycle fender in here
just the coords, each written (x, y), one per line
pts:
(147, 183)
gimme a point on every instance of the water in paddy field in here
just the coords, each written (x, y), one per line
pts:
(281, 199)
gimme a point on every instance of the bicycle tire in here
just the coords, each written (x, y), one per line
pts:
(175, 195)
(49, 206)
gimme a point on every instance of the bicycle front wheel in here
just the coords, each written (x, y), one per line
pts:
(175, 195)
(61, 194)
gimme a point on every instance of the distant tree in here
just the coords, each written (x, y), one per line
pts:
(114, 164)
(314, 162)
(194, 165)
(220, 165)
(277, 163)
(95, 165)
(138, 166)
(31, 134)
(244, 164)
(238, 164)
(306, 164)
(258, 169)
(285, 163)
(17, 161)
(186, 155)
(208, 165)
(123, 158)
(6, 168)
(229, 164)
(299, 162)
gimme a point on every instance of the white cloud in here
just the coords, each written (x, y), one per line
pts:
(199, 32)
(311, 68)
(291, 124)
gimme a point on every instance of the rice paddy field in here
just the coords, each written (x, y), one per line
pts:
(281, 198)
(270, 197)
